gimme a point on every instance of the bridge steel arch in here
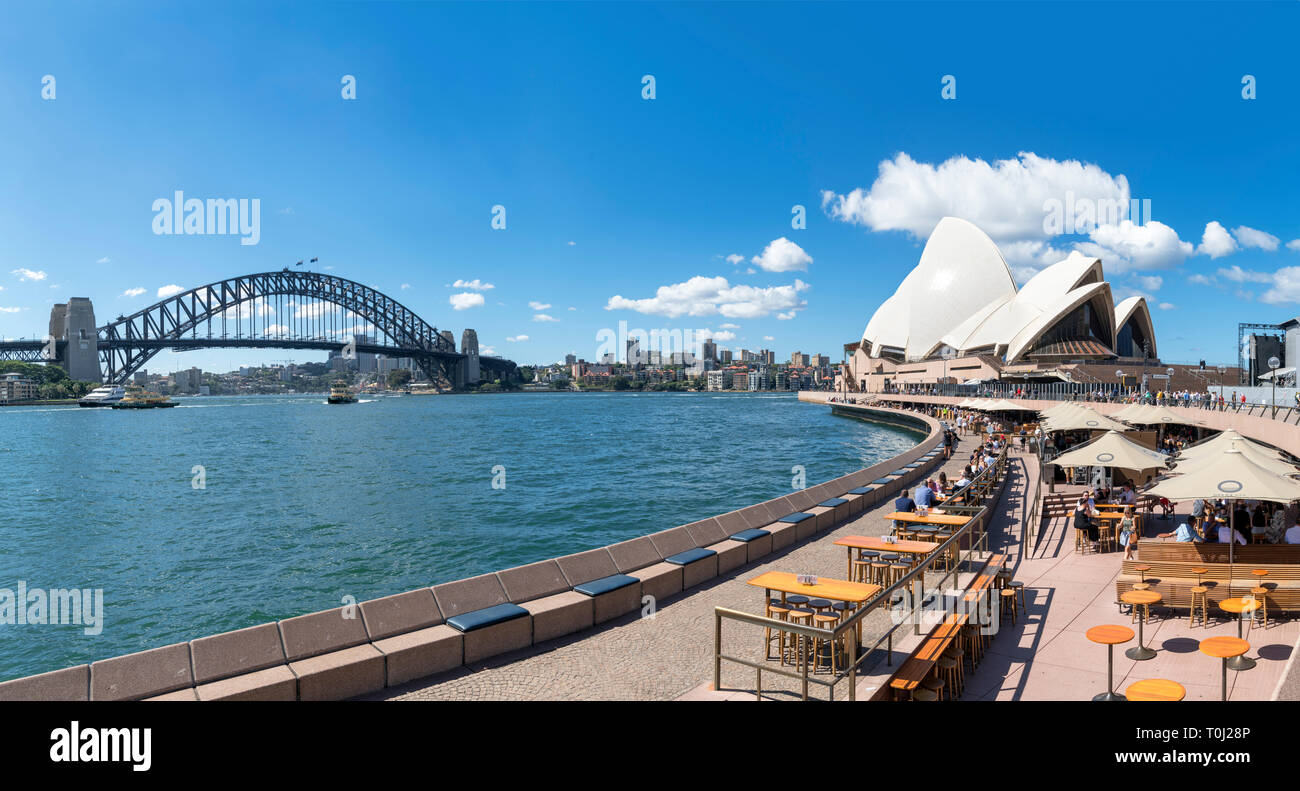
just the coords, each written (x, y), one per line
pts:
(129, 342)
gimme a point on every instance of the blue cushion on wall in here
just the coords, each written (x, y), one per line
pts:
(745, 536)
(605, 584)
(689, 556)
(796, 518)
(882, 481)
(862, 490)
(477, 619)
(834, 501)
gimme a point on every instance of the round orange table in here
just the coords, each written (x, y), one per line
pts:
(1109, 635)
(1138, 599)
(1240, 606)
(1225, 648)
(1155, 689)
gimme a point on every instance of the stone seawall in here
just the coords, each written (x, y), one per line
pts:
(349, 651)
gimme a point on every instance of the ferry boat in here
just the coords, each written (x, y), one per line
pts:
(341, 394)
(138, 398)
(107, 395)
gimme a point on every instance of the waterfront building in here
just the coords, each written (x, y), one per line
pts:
(16, 387)
(755, 380)
(724, 356)
(570, 359)
(715, 380)
(710, 351)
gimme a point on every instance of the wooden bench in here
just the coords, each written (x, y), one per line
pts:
(1174, 581)
(1154, 549)
(919, 664)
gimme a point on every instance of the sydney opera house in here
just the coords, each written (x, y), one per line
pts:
(958, 317)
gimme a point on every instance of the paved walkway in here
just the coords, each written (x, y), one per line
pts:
(664, 657)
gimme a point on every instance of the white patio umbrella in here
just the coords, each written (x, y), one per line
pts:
(1003, 405)
(1184, 466)
(1146, 415)
(1112, 449)
(1224, 440)
(1083, 418)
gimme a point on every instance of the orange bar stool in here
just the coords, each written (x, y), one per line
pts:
(825, 620)
(1261, 595)
(798, 643)
(1200, 600)
(1009, 602)
(957, 678)
(775, 609)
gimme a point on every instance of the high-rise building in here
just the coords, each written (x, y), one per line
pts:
(709, 351)
(570, 359)
(724, 357)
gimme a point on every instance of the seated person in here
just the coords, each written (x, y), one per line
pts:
(964, 480)
(1230, 534)
(1083, 520)
(923, 496)
(906, 505)
(1186, 534)
(1293, 534)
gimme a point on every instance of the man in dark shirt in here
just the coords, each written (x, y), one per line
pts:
(904, 504)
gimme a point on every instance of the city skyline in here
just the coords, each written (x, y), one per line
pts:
(619, 206)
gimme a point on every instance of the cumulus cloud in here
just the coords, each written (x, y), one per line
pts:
(707, 296)
(1150, 283)
(1200, 280)
(133, 292)
(475, 285)
(785, 316)
(466, 300)
(1006, 198)
(1250, 237)
(405, 286)
(1286, 286)
(169, 290)
(10, 310)
(735, 258)
(1216, 242)
(103, 260)
(782, 255)
(1131, 246)
(490, 351)
(768, 338)
(1238, 275)
(725, 335)
(1294, 244)
(539, 305)
(516, 338)
(1166, 306)
(729, 326)
(27, 274)
(544, 317)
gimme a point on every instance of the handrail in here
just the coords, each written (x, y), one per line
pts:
(994, 475)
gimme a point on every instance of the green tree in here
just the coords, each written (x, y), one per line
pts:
(399, 378)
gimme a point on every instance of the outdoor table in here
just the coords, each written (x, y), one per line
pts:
(824, 588)
(880, 545)
(931, 519)
(1138, 598)
(1240, 605)
(1223, 648)
(1155, 689)
(1110, 636)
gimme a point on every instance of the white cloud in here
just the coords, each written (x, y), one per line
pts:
(1129, 246)
(782, 255)
(725, 335)
(707, 296)
(785, 316)
(539, 305)
(170, 290)
(1286, 286)
(517, 338)
(103, 260)
(1216, 242)
(277, 329)
(729, 326)
(475, 284)
(544, 317)
(27, 274)
(11, 310)
(1006, 199)
(1167, 306)
(1249, 237)
(572, 308)
(1200, 280)
(466, 300)
(405, 286)
(735, 258)
(490, 351)
(133, 292)
(1238, 275)
(571, 244)
(768, 338)
(1150, 283)
(1294, 244)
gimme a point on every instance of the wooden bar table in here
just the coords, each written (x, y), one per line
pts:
(825, 588)
(949, 520)
(880, 545)
(1109, 635)
(1240, 606)
(1224, 648)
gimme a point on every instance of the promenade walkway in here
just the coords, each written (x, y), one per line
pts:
(659, 658)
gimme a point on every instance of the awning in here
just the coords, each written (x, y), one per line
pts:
(1112, 449)
(1083, 418)
(1234, 477)
(1146, 415)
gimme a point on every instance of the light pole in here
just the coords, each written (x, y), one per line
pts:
(1274, 364)
(1119, 374)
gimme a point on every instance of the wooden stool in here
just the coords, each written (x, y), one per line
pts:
(1199, 572)
(974, 644)
(1155, 689)
(934, 683)
(1019, 588)
(862, 571)
(951, 670)
(893, 573)
(955, 651)
(798, 642)
(1082, 543)
(1261, 596)
(1106, 536)
(775, 609)
(924, 694)
(1199, 599)
(879, 573)
(825, 620)
(1009, 602)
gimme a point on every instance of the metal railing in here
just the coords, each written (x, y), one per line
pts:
(988, 483)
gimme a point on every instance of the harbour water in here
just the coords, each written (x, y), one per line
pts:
(228, 512)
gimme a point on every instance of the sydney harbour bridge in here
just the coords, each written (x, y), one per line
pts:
(270, 310)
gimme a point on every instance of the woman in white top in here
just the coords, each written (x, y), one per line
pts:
(1227, 534)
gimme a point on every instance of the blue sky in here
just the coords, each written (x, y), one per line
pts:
(610, 197)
